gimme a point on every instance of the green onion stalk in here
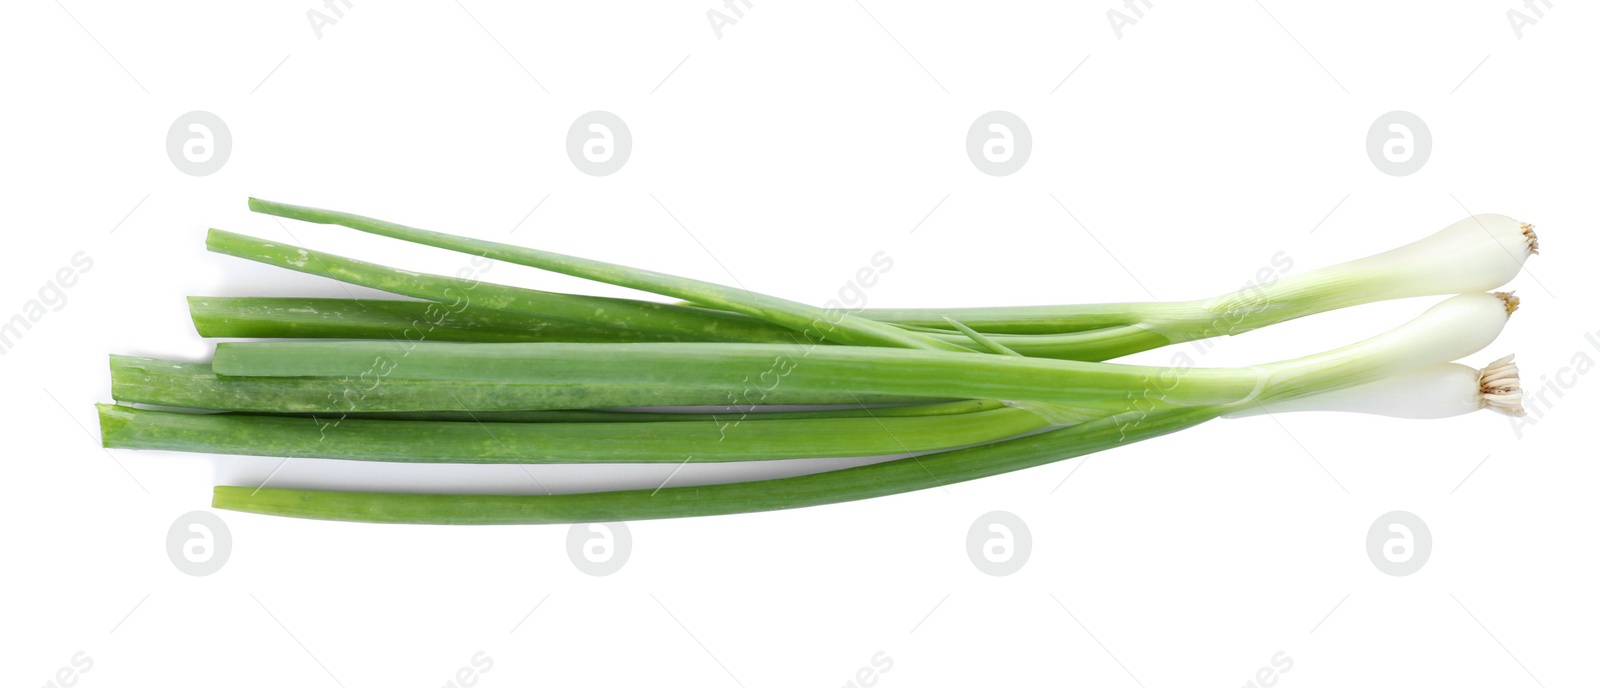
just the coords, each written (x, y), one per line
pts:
(793, 315)
(467, 309)
(453, 319)
(1457, 327)
(729, 437)
(181, 384)
(1479, 253)
(1452, 329)
(829, 487)
(457, 303)
(1431, 392)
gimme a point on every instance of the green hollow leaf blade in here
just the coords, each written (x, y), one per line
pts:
(333, 318)
(837, 370)
(1025, 319)
(726, 438)
(987, 342)
(863, 482)
(157, 382)
(812, 322)
(712, 414)
(636, 320)
(1052, 319)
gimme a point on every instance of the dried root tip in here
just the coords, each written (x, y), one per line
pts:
(1533, 239)
(1500, 388)
(1510, 299)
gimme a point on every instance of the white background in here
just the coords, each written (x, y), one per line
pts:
(782, 155)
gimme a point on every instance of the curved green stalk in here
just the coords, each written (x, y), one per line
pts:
(987, 342)
(630, 320)
(418, 441)
(812, 322)
(831, 487)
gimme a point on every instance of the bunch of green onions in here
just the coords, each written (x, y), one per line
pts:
(474, 372)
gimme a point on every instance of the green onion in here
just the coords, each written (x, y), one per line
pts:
(831, 487)
(1479, 253)
(462, 305)
(485, 373)
(1434, 391)
(1457, 327)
